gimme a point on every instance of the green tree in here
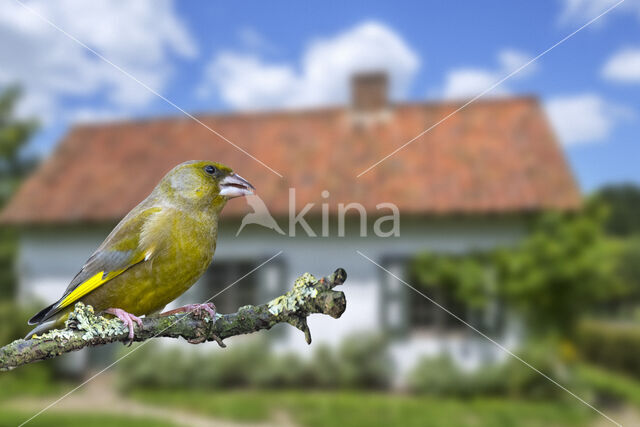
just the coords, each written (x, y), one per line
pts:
(465, 277)
(623, 202)
(14, 134)
(563, 270)
(628, 272)
(623, 222)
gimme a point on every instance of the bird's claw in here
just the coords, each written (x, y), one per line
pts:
(127, 319)
(218, 340)
(196, 309)
(209, 307)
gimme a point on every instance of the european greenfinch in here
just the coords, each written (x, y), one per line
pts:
(158, 250)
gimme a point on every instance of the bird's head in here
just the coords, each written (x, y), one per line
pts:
(203, 184)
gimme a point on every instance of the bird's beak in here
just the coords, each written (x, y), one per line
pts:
(235, 186)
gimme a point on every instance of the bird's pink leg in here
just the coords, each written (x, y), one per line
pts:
(209, 307)
(197, 309)
(127, 319)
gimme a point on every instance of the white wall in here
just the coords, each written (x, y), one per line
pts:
(50, 258)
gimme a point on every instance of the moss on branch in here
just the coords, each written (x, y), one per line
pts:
(84, 328)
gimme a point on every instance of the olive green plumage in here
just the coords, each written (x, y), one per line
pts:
(158, 250)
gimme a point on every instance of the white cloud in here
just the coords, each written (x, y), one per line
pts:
(511, 59)
(84, 115)
(467, 82)
(584, 118)
(623, 66)
(575, 10)
(582, 11)
(244, 81)
(247, 81)
(138, 36)
(253, 40)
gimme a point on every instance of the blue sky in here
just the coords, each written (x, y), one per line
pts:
(221, 56)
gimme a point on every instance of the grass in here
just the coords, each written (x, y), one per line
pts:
(32, 380)
(37, 381)
(14, 418)
(370, 409)
(317, 408)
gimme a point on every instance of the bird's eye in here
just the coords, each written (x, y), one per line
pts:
(210, 169)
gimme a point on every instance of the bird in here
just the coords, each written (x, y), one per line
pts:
(259, 216)
(156, 252)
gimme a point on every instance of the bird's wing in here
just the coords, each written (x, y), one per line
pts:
(121, 250)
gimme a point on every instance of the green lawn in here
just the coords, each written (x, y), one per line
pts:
(12, 418)
(36, 381)
(321, 408)
(369, 409)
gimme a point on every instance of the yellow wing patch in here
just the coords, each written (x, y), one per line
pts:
(87, 286)
(96, 280)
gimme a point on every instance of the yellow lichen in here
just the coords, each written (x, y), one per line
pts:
(302, 289)
(83, 318)
(55, 334)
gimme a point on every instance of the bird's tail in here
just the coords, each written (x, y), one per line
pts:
(39, 317)
(41, 328)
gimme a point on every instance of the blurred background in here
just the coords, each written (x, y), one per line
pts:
(519, 212)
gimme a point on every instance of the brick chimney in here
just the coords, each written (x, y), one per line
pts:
(369, 92)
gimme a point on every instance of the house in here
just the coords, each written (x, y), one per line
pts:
(468, 184)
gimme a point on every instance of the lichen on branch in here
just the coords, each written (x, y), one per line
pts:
(85, 328)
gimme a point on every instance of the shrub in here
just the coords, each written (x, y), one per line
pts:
(365, 362)
(13, 321)
(154, 366)
(324, 368)
(609, 386)
(440, 376)
(282, 371)
(614, 345)
(522, 381)
(437, 376)
(361, 361)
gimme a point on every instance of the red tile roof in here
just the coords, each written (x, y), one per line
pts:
(494, 156)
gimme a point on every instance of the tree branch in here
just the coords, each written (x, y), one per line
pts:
(86, 329)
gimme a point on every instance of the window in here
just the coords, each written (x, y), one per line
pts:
(393, 295)
(222, 274)
(464, 284)
(425, 314)
(403, 309)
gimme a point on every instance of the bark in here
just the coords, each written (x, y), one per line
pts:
(87, 329)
